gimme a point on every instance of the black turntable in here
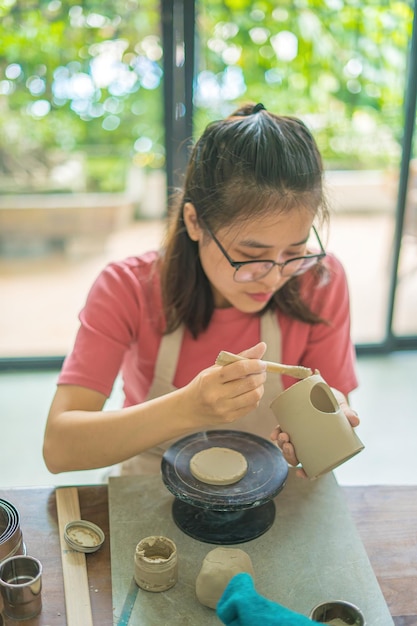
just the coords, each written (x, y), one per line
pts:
(225, 514)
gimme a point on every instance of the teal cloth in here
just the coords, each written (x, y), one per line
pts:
(241, 605)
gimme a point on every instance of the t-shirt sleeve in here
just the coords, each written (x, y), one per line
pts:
(107, 329)
(328, 347)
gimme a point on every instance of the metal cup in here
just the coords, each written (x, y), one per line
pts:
(338, 612)
(20, 586)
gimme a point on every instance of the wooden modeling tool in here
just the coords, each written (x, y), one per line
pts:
(296, 371)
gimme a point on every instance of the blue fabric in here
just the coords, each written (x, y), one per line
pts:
(241, 605)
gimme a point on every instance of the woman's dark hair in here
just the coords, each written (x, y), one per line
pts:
(251, 164)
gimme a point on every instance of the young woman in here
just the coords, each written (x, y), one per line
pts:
(243, 270)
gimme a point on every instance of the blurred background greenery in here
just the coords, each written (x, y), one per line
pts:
(81, 82)
(88, 87)
(80, 93)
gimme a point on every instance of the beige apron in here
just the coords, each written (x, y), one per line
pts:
(261, 421)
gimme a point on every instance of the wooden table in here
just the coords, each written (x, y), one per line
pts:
(386, 518)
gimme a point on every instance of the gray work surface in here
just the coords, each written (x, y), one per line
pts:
(312, 553)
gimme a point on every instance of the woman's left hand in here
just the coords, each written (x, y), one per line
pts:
(282, 439)
(347, 410)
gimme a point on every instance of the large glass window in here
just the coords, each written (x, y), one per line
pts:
(340, 65)
(83, 147)
(81, 156)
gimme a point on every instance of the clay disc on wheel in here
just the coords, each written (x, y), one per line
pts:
(218, 466)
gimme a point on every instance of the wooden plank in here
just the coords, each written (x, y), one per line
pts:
(74, 566)
(385, 517)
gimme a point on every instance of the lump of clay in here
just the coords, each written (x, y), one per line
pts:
(218, 568)
(218, 466)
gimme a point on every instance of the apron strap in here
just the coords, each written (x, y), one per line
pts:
(271, 334)
(168, 355)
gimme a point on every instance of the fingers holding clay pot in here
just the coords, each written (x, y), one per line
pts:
(218, 568)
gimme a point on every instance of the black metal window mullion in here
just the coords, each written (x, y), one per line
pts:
(407, 148)
(178, 33)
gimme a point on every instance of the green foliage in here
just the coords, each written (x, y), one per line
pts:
(76, 75)
(105, 172)
(84, 77)
(338, 64)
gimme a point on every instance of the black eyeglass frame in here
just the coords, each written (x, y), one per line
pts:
(238, 264)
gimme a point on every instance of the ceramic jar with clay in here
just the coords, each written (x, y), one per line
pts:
(156, 564)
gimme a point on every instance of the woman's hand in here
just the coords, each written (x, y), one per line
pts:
(222, 394)
(282, 439)
(80, 434)
(347, 410)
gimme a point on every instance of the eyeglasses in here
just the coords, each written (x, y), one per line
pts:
(247, 271)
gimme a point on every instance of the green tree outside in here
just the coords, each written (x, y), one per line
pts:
(83, 80)
(338, 64)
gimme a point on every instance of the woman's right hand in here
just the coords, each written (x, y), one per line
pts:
(81, 434)
(222, 394)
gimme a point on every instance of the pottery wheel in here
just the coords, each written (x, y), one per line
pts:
(225, 514)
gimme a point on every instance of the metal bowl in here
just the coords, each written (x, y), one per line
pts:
(344, 612)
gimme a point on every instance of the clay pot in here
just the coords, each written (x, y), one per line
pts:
(318, 428)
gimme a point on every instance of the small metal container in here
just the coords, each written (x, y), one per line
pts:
(156, 564)
(83, 536)
(21, 586)
(338, 613)
(11, 539)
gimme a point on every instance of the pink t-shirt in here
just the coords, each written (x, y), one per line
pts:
(121, 321)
